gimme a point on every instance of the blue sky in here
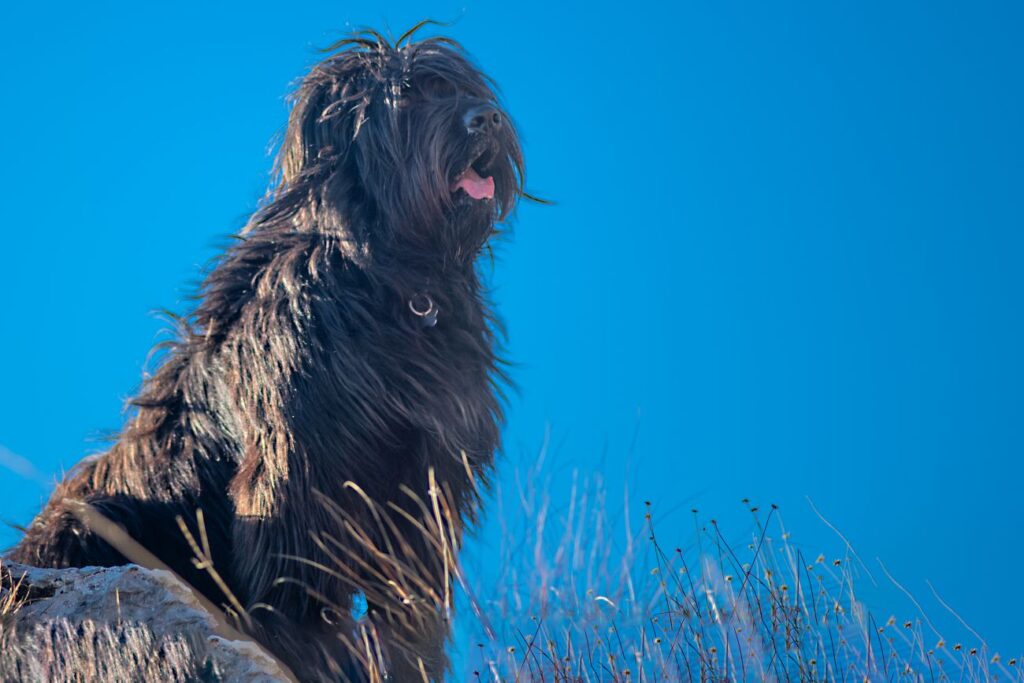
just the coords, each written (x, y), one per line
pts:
(786, 250)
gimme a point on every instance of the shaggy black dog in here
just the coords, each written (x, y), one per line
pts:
(341, 355)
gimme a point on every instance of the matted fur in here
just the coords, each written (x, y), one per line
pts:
(303, 367)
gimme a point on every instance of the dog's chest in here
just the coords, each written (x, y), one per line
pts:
(395, 367)
(452, 355)
(446, 344)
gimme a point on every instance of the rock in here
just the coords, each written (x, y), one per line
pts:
(117, 624)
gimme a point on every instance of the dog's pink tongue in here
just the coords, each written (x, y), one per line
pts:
(475, 186)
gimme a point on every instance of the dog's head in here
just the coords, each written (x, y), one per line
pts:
(403, 145)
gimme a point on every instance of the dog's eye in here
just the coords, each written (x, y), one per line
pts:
(438, 89)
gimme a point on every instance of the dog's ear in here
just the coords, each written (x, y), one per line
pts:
(328, 109)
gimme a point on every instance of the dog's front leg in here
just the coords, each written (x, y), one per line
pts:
(291, 608)
(413, 640)
(409, 592)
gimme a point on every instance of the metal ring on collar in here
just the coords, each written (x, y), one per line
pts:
(431, 307)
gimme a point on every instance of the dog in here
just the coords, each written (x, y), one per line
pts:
(332, 406)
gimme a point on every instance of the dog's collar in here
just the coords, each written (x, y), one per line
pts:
(423, 307)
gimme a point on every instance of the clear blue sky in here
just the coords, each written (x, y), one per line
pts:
(788, 245)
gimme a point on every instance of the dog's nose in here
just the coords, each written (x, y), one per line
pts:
(482, 118)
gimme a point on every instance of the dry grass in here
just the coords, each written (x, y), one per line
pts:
(13, 593)
(572, 605)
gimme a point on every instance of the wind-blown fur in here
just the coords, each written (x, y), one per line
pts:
(303, 366)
